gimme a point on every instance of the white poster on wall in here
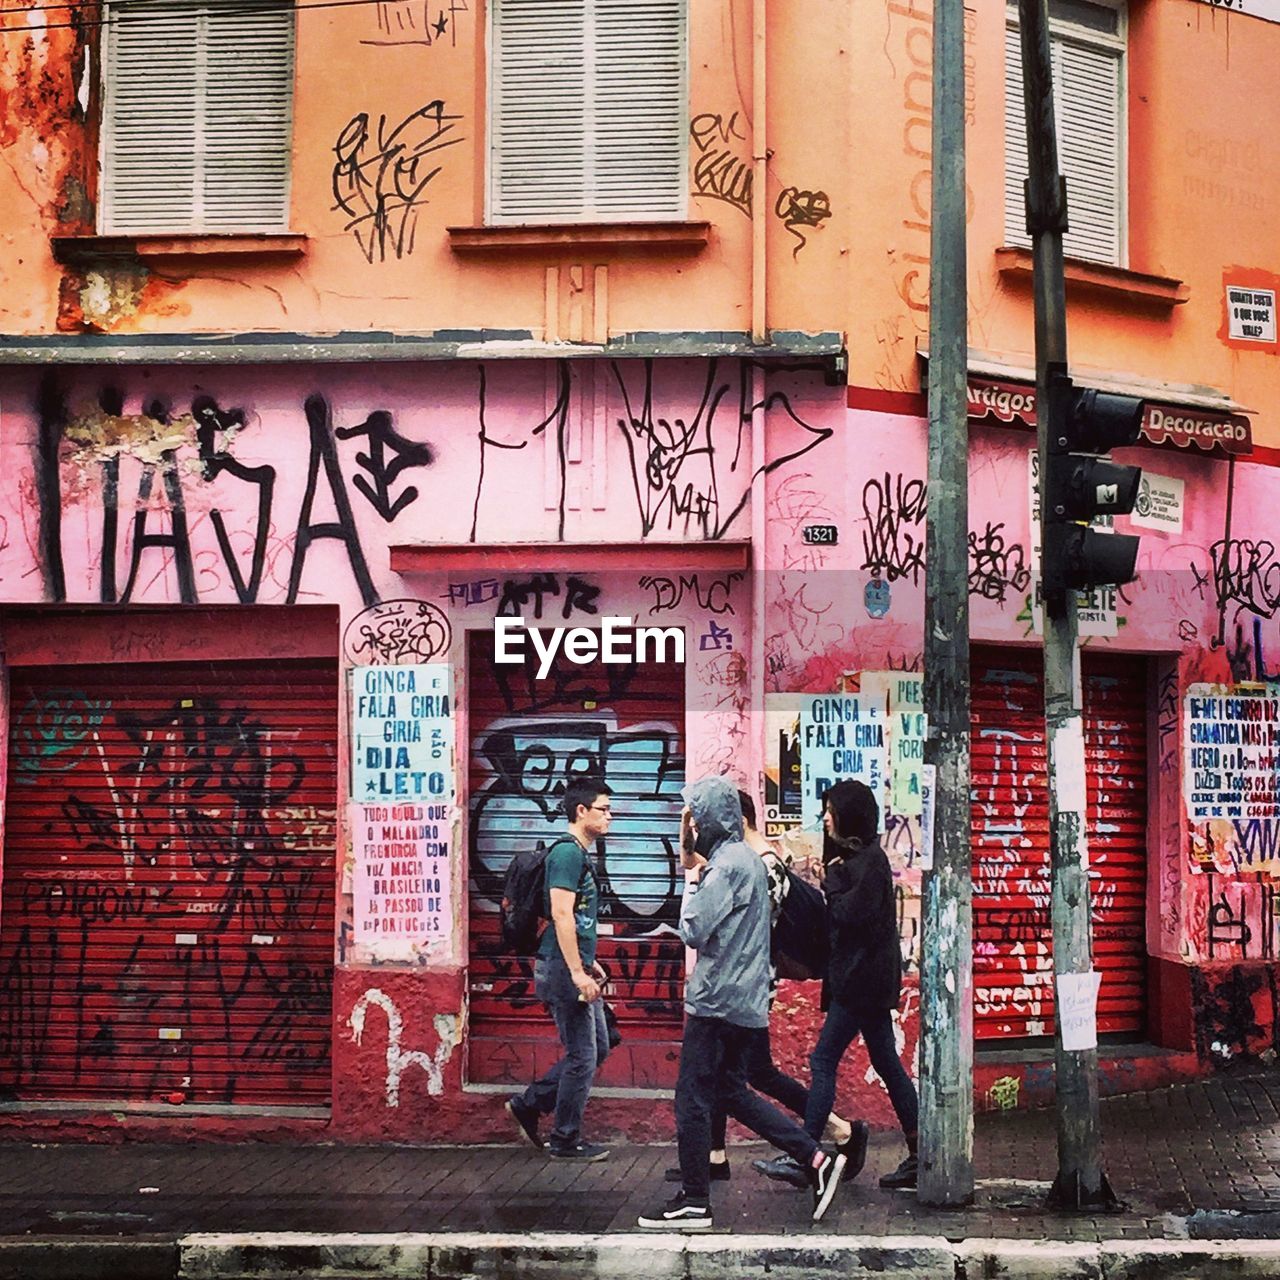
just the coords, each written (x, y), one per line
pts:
(1251, 314)
(842, 735)
(1231, 752)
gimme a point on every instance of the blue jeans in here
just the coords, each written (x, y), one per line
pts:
(714, 1059)
(839, 1031)
(585, 1039)
(764, 1077)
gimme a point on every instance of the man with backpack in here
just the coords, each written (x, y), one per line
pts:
(567, 978)
(724, 916)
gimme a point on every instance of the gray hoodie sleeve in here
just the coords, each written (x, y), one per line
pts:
(704, 906)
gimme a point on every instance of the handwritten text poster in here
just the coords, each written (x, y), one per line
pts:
(1231, 753)
(842, 735)
(403, 793)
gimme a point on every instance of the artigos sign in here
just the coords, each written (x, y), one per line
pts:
(618, 642)
(1015, 403)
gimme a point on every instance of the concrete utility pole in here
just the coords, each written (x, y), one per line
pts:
(1080, 1183)
(946, 965)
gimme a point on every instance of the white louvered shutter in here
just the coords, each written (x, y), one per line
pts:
(587, 112)
(1088, 97)
(196, 118)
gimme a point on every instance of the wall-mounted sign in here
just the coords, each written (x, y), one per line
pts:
(1015, 403)
(1251, 314)
(1231, 751)
(820, 535)
(401, 732)
(1159, 504)
(402, 785)
(1267, 10)
(841, 736)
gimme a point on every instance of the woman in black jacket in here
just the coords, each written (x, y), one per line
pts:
(863, 985)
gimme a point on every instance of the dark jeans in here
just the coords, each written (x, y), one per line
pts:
(838, 1033)
(764, 1077)
(585, 1039)
(713, 1065)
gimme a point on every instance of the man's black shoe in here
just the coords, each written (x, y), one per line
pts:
(903, 1178)
(525, 1120)
(854, 1149)
(678, 1214)
(825, 1180)
(587, 1152)
(783, 1169)
(719, 1172)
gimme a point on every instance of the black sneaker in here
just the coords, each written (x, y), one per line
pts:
(719, 1172)
(903, 1178)
(587, 1152)
(825, 1180)
(526, 1122)
(678, 1214)
(783, 1169)
(854, 1148)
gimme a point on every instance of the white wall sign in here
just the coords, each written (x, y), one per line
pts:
(842, 735)
(1251, 313)
(1078, 1009)
(1160, 503)
(1231, 752)
(1267, 10)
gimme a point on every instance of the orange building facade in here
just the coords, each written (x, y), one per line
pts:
(333, 335)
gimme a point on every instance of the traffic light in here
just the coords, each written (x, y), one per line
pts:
(1080, 485)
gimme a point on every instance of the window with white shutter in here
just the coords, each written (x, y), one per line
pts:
(587, 111)
(197, 111)
(1088, 46)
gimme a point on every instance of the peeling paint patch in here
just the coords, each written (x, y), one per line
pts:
(111, 294)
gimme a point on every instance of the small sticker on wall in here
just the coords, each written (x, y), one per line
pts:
(169, 1033)
(1159, 504)
(876, 597)
(186, 939)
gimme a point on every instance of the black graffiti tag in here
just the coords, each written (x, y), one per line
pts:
(381, 176)
(397, 631)
(894, 509)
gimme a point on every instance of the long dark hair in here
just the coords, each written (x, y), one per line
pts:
(857, 818)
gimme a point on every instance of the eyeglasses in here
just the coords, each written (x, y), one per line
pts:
(601, 808)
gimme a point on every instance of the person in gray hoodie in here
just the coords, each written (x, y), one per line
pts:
(724, 917)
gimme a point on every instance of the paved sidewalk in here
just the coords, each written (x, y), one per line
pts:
(1193, 1162)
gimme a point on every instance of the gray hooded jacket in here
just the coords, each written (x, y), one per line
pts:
(725, 916)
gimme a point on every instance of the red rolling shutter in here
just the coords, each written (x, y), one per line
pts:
(1013, 944)
(168, 895)
(624, 724)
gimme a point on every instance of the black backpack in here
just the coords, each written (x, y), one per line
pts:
(524, 900)
(800, 933)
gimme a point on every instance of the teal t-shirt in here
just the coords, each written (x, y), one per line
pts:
(567, 868)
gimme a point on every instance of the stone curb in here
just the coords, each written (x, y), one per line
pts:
(552, 1256)
(80, 1259)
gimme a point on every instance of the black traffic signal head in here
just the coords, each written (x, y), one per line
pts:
(1079, 486)
(1085, 558)
(1086, 420)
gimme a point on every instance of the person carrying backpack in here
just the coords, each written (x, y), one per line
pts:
(724, 917)
(864, 975)
(567, 979)
(763, 1074)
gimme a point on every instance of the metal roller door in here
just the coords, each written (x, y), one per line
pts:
(624, 724)
(1013, 943)
(167, 929)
